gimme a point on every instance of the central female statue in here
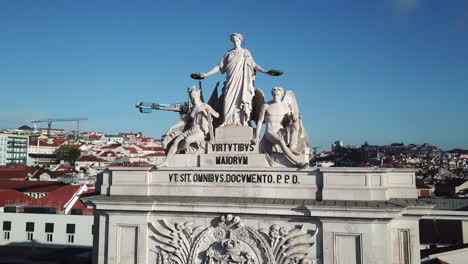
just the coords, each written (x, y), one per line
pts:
(238, 91)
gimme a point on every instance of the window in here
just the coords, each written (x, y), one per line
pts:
(29, 226)
(6, 225)
(30, 230)
(49, 227)
(6, 229)
(70, 228)
(71, 233)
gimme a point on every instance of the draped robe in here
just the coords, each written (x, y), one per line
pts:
(238, 90)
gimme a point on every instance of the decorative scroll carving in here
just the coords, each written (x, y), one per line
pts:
(173, 241)
(291, 247)
(230, 242)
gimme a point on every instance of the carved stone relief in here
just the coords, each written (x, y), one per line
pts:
(229, 241)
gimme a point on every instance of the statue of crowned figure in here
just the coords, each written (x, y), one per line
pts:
(238, 91)
(239, 105)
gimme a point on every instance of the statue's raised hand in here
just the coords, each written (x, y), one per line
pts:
(275, 72)
(197, 76)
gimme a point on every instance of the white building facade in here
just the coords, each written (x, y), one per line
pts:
(47, 229)
(13, 149)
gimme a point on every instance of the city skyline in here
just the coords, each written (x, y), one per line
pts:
(376, 71)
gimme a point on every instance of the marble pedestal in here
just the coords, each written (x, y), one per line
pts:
(369, 215)
(199, 210)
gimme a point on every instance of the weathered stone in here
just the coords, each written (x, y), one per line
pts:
(234, 134)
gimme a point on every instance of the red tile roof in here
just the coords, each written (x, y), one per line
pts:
(13, 197)
(58, 174)
(17, 172)
(94, 137)
(58, 198)
(132, 150)
(80, 205)
(30, 186)
(108, 154)
(131, 164)
(50, 142)
(151, 148)
(90, 158)
(62, 167)
(155, 155)
(110, 147)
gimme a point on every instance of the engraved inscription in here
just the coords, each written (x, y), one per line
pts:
(253, 178)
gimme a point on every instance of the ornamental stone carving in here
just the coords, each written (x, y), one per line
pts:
(229, 241)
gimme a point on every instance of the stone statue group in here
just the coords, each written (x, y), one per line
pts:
(241, 105)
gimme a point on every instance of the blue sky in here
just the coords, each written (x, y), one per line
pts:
(378, 70)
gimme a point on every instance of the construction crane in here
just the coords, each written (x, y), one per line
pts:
(181, 108)
(52, 120)
(315, 149)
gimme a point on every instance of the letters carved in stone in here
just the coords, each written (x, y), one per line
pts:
(229, 241)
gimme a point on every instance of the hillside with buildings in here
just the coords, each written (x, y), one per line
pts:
(40, 194)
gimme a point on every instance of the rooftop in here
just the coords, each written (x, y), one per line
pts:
(30, 186)
(14, 197)
(90, 158)
(18, 172)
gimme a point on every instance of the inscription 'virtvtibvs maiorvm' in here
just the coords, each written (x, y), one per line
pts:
(232, 160)
(232, 147)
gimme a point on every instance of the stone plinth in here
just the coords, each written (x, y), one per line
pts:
(367, 214)
(341, 184)
(237, 134)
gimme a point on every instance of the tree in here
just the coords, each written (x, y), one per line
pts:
(67, 153)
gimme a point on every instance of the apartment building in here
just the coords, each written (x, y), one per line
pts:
(13, 149)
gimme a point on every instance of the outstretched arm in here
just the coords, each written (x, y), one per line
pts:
(212, 111)
(270, 72)
(213, 71)
(260, 69)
